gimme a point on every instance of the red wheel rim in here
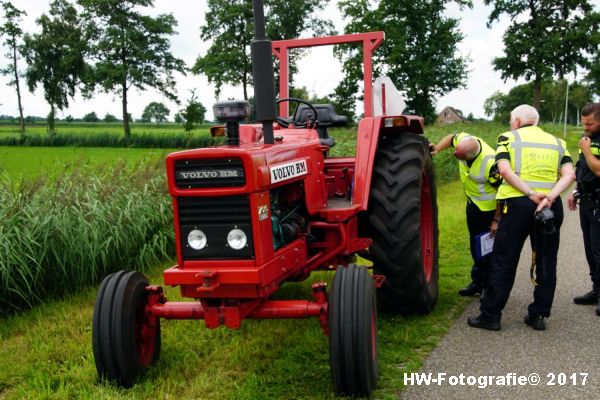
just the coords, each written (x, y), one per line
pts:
(145, 337)
(427, 234)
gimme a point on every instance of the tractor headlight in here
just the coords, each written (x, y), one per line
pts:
(236, 238)
(197, 239)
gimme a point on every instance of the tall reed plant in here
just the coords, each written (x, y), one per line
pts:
(62, 234)
(146, 140)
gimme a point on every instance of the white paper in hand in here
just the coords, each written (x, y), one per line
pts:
(486, 244)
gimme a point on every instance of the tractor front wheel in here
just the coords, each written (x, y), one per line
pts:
(402, 221)
(125, 341)
(353, 331)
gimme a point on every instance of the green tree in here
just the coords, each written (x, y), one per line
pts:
(579, 96)
(193, 113)
(56, 57)
(156, 112)
(546, 38)
(131, 49)
(109, 118)
(12, 33)
(230, 27)
(552, 103)
(419, 53)
(494, 107)
(178, 118)
(91, 117)
(593, 76)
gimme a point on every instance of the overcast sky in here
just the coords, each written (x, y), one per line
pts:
(480, 44)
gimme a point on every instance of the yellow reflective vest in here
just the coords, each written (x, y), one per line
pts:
(535, 156)
(476, 178)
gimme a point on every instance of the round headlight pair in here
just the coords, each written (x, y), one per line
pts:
(236, 239)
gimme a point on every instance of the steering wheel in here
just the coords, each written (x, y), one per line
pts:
(285, 123)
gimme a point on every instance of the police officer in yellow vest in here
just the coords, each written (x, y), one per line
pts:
(476, 164)
(536, 168)
(588, 193)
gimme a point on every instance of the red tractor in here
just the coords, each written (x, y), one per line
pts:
(270, 207)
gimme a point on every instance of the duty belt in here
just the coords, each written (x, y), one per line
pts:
(590, 201)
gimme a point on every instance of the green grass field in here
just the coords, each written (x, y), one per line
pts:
(116, 128)
(46, 352)
(30, 162)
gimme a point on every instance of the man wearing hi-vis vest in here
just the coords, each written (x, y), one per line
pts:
(476, 165)
(536, 168)
(588, 194)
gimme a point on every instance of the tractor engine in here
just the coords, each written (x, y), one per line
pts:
(287, 210)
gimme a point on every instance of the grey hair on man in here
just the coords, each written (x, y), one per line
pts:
(468, 148)
(525, 114)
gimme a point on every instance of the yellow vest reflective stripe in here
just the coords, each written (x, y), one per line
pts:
(475, 178)
(594, 150)
(519, 146)
(481, 179)
(543, 154)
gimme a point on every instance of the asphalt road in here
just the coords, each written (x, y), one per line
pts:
(570, 345)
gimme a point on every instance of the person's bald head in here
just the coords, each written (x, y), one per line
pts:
(467, 149)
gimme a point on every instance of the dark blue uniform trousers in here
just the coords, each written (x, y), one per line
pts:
(590, 226)
(515, 226)
(479, 222)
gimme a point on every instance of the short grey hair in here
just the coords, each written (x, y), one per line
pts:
(469, 147)
(527, 114)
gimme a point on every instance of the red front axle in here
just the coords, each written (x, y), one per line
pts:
(230, 313)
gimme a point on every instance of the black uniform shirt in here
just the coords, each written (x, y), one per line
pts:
(586, 179)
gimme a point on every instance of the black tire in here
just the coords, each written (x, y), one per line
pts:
(353, 332)
(402, 221)
(121, 353)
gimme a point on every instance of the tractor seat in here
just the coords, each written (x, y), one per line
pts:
(326, 116)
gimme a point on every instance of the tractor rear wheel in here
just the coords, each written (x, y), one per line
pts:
(402, 221)
(353, 331)
(124, 341)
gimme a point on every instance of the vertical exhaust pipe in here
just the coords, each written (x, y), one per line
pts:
(262, 71)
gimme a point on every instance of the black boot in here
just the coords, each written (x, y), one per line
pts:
(477, 322)
(590, 297)
(536, 322)
(598, 306)
(471, 290)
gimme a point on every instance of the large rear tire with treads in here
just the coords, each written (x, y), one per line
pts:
(402, 221)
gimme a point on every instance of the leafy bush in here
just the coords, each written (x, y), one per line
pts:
(69, 232)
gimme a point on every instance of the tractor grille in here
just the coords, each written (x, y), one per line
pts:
(216, 217)
(221, 172)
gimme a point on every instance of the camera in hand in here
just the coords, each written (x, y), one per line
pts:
(545, 220)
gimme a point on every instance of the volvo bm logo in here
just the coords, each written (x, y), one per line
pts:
(210, 174)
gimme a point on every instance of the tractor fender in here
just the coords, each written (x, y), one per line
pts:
(370, 132)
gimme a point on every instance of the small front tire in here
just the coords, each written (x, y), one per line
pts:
(353, 332)
(125, 340)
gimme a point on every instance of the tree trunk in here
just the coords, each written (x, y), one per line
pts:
(537, 93)
(51, 127)
(245, 84)
(126, 128)
(21, 119)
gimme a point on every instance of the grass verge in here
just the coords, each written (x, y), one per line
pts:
(46, 352)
